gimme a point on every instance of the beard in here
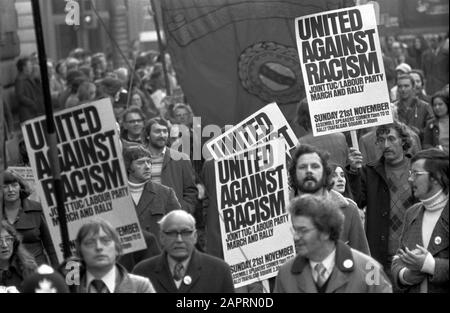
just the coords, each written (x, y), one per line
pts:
(310, 185)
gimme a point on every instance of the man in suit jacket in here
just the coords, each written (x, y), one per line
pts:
(98, 246)
(170, 167)
(152, 200)
(323, 263)
(421, 264)
(181, 268)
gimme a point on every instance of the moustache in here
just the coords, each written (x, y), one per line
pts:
(308, 178)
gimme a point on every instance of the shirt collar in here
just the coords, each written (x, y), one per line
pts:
(328, 263)
(172, 263)
(109, 279)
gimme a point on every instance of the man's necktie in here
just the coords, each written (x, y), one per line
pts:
(320, 270)
(178, 271)
(99, 286)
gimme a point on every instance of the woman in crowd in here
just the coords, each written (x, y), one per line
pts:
(16, 264)
(436, 130)
(27, 218)
(341, 185)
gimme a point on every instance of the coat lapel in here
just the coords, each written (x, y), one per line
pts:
(303, 275)
(344, 265)
(163, 275)
(439, 238)
(193, 271)
(148, 194)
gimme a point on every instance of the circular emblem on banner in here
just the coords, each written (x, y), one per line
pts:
(271, 72)
(437, 240)
(187, 280)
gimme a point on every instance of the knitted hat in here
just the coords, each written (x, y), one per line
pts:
(45, 280)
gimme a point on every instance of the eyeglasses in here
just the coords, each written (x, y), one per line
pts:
(381, 140)
(301, 232)
(135, 121)
(414, 174)
(92, 242)
(174, 233)
(7, 240)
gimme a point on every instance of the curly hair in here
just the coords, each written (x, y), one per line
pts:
(402, 131)
(324, 214)
(307, 149)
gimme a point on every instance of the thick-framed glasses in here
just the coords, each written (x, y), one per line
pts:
(301, 232)
(186, 233)
(8, 240)
(135, 121)
(92, 242)
(414, 174)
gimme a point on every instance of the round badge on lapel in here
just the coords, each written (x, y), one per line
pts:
(348, 263)
(187, 280)
(437, 240)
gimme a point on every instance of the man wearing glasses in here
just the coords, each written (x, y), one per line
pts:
(182, 268)
(98, 246)
(421, 263)
(132, 127)
(325, 264)
(383, 188)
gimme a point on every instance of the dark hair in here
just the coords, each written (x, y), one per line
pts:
(132, 109)
(406, 76)
(21, 259)
(148, 127)
(442, 95)
(10, 177)
(133, 153)
(21, 63)
(402, 131)
(302, 117)
(325, 215)
(348, 191)
(421, 75)
(93, 227)
(307, 149)
(436, 163)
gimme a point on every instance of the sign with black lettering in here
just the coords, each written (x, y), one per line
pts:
(343, 71)
(93, 175)
(262, 126)
(252, 194)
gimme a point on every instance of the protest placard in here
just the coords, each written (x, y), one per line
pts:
(262, 126)
(26, 173)
(252, 194)
(93, 175)
(343, 71)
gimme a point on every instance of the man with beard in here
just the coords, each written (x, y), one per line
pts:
(383, 187)
(170, 167)
(324, 264)
(421, 263)
(309, 173)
